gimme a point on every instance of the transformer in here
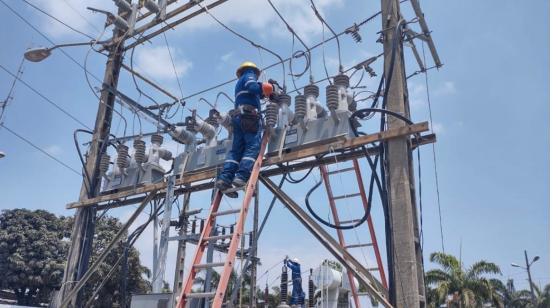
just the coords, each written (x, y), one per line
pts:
(138, 169)
(311, 122)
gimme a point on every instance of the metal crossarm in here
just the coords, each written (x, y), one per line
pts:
(325, 174)
(205, 236)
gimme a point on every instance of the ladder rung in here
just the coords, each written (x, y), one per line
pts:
(234, 189)
(201, 295)
(217, 237)
(228, 212)
(346, 196)
(341, 170)
(358, 245)
(208, 265)
(344, 222)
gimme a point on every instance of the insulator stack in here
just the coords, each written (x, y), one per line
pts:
(341, 80)
(332, 97)
(194, 226)
(311, 90)
(354, 32)
(156, 138)
(284, 285)
(139, 154)
(122, 158)
(271, 114)
(202, 225)
(285, 99)
(104, 163)
(300, 106)
(311, 290)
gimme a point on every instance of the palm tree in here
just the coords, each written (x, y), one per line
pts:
(542, 297)
(463, 288)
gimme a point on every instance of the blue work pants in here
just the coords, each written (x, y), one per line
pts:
(244, 152)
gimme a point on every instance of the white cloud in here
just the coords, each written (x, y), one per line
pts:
(73, 13)
(54, 150)
(155, 62)
(259, 16)
(438, 128)
(447, 88)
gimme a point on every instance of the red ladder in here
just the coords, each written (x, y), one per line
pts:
(374, 243)
(205, 237)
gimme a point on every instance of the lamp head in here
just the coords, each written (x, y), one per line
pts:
(535, 259)
(37, 54)
(515, 265)
(2, 154)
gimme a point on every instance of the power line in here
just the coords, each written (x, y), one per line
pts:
(40, 149)
(82, 16)
(173, 64)
(433, 152)
(9, 96)
(370, 18)
(58, 20)
(44, 97)
(48, 39)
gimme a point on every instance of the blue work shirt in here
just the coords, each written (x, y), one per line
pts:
(248, 90)
(295, 268)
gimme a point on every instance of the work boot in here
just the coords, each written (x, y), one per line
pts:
(222, 185)
(239, 182)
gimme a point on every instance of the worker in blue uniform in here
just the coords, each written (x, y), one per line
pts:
(298, 294)
(247, 128)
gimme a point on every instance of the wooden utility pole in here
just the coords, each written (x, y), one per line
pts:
(84, 220)
(407, 289)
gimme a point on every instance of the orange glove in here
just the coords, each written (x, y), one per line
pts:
(267, 89)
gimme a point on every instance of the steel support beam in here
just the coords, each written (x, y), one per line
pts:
(121, 233)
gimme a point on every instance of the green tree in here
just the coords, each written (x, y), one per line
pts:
(32, 254)
(33, 250)
(463, 287)
(542, 297)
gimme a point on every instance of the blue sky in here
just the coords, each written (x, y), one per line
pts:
(489, 102)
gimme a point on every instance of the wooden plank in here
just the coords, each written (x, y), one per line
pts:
(304, 165)
(206, 174)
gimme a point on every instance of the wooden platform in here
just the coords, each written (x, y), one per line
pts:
(347, 148)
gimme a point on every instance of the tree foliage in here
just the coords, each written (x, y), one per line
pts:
(33, 251)
(462, 287)
(32, 254)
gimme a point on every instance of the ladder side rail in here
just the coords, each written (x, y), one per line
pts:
(199, 250)
(341, 239)
(236, 238)
(370, 224)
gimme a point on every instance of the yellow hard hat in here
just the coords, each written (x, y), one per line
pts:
(245, 65)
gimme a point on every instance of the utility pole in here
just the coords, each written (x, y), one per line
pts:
(84, 220)
(533, 298)
(406, 267)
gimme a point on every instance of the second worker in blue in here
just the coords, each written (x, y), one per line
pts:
(247, 128)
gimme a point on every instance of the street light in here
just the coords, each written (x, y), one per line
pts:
(40, 53)
(528, 269)
(2, 154)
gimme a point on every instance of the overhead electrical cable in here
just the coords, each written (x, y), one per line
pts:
(57, 19)
(278, 63)
(40, 149)
(434, 152)
(44, 97)
(246, 39)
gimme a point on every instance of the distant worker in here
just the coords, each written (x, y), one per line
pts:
(247, 128)
(298, 294)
